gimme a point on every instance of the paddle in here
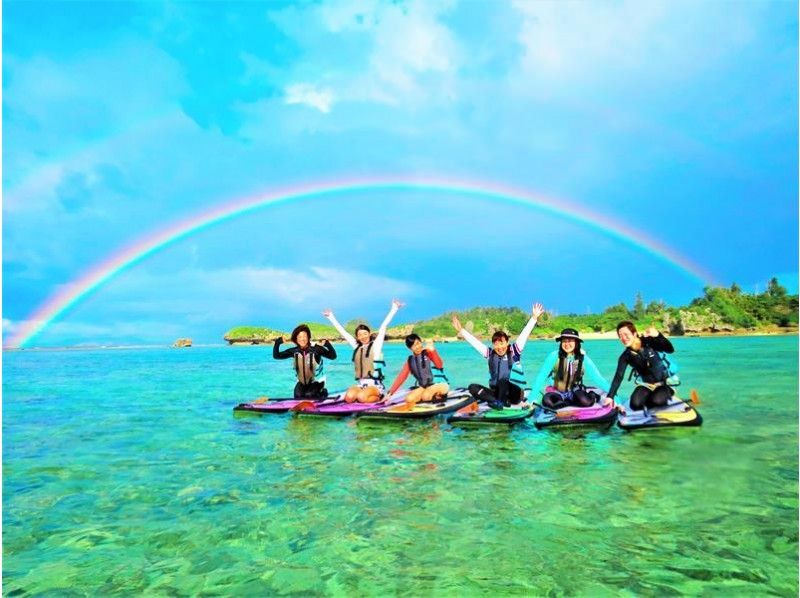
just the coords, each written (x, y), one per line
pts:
(404, 406)
(543, 407)
(393, 402)
(260, 400)
(694, 398)
(304, 406)
(568, 412)
(676, 416)
(469, 409)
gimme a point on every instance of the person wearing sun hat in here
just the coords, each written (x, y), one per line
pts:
(561, 378)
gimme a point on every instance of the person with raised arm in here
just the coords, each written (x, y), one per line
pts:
(503, 358)
(367, 357)
(308, 362)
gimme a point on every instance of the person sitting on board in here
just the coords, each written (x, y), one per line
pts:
(427, 367)
(561, 377)
(308, 364)
(642, 353)
(367, 357)
(506, 379)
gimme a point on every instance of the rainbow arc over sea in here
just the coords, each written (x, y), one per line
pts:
(103, 272)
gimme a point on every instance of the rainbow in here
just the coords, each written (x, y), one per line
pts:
(73, 292)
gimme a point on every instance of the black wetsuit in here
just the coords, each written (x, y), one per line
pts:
(578, 397)
(649, 368)
(315, 388)
(502, 392)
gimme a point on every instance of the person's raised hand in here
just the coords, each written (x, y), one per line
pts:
(651, 331)
(537, 310)
(456, 323)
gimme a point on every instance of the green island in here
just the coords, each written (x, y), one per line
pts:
(720, 311)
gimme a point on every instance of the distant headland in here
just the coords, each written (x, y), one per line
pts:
(720, 311)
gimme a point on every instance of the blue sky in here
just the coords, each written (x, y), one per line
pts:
(119, 119)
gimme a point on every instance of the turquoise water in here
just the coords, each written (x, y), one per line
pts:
(125, 471)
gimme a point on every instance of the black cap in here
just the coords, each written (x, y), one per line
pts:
(568, 333)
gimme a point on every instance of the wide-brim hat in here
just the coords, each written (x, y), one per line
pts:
(568, 333)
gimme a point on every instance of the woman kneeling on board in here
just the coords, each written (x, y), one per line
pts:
(307, 362)
(561, 378)
(367, 357)
(503, 359)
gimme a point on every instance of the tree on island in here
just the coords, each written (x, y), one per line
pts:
(720, 309)
(774, 289)
(638, 306)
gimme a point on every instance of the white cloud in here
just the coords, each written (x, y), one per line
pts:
(91, 93)
(316, 286)
(566, 40)
(70, 116)
(410, 41)
(396, 52)
(10, 327)
(160, 307)
(240, 291)
(304, 93)
(600, 45)
(13, 327)
(348, 16)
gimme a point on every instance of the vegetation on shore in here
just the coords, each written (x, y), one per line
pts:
(719, 310)
(254, 335)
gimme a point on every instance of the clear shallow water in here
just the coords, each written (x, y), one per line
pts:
(125, 471)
